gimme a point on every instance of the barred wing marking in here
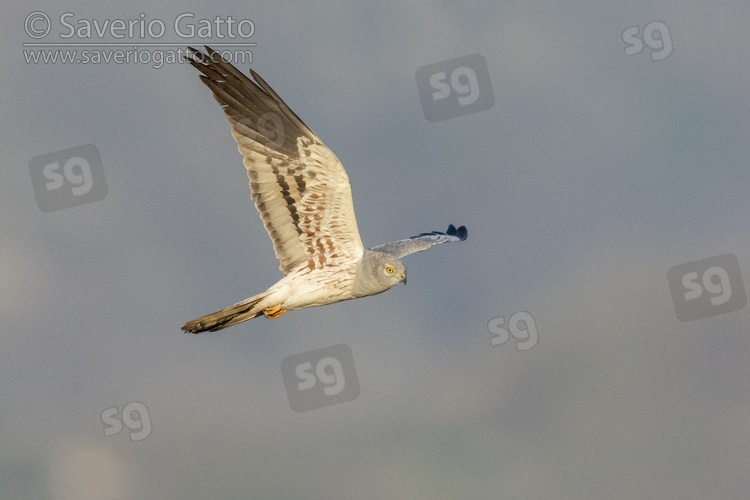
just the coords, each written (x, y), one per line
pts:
(402, 248)
(300, 188)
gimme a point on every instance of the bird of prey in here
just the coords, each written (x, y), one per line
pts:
(305, 202)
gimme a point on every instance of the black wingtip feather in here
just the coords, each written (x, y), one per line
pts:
(461, 233)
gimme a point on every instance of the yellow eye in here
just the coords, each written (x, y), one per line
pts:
(389, 270)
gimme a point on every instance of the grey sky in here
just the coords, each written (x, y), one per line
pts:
(592, 175)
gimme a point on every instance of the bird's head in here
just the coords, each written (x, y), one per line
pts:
(394, 271)
(377, 272)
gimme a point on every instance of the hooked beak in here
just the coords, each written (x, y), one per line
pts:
(403, 277)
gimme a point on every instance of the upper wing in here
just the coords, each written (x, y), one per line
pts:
(402, 248)
(300, 188)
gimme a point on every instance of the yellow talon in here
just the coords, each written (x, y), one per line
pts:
(272, 312)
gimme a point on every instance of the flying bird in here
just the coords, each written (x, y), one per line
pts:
(305, 202)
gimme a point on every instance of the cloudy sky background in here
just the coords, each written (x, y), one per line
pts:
(591, 176)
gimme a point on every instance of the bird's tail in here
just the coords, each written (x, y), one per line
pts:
(241, 311)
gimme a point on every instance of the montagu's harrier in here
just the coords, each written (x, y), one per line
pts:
(305, 201)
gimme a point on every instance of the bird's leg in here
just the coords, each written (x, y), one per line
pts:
(272, 312)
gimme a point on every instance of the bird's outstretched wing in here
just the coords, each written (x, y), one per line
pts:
(402, 248)
(300, 188)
